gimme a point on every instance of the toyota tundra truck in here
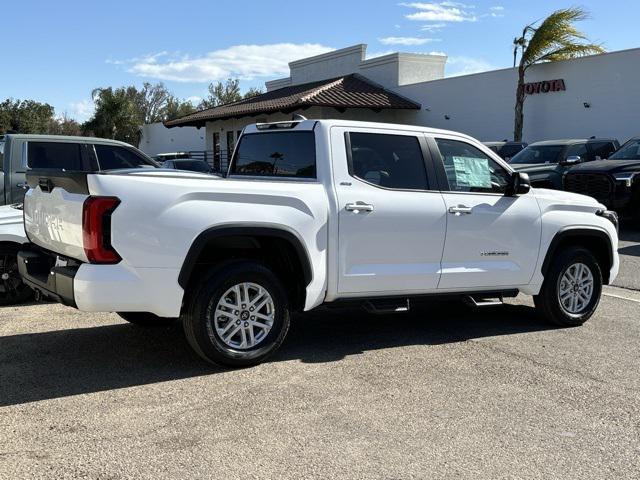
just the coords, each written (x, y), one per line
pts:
(313, 212)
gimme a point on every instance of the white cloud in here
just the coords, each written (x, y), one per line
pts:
(440, 12)
(497, 8)
(433, 27)
(82, 110)
(406, 40)
(242, 61)
(461, 65)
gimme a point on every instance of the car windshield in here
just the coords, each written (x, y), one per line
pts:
(538, 154)
(629, 151)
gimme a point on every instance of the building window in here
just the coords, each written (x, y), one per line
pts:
(230, 143)
(216, 151)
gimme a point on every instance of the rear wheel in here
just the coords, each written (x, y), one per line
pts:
(571, 290)
(12, 289)
(238, 315)
(144, 319)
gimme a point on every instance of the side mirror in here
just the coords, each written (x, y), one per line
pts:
(572, 160)
(519, 185)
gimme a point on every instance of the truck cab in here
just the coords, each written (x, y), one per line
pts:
(22, 152)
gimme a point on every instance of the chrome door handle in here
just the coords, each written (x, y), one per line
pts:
(24, 186)
(358, 207)
(460, 210)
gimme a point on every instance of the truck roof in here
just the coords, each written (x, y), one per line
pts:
(569, 141)
(65, 138)
(310, 124)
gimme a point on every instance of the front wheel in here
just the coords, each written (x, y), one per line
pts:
(237, 315)
(572, 287)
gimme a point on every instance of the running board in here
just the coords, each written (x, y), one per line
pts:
(382, 306)
(483, 302)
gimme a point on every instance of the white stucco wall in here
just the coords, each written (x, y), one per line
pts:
(482, 104)
(156, 138)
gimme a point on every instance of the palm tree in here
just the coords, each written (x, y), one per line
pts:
(554, 39)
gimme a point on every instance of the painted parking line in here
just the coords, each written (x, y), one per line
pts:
(622, 293)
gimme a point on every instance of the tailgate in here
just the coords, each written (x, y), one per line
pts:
(53, 211)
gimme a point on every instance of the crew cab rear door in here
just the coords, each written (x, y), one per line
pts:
(391, 219)
(492, 240)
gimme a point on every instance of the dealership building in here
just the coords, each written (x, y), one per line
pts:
(595, 95)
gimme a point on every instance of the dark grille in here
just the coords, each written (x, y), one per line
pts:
(596, 185)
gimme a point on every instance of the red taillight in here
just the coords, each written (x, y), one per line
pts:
(96, 229)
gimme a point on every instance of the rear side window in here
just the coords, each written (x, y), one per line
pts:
(276, 154)
(113, 157)
(58, 155)
(390, 161)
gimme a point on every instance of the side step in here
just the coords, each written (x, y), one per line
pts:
(478, 301)
(391, 305)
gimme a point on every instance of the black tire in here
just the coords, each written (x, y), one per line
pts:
(548, 301)
(13, 290)
(144, 319)
(201, 315)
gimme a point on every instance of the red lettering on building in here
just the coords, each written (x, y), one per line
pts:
(545, 86)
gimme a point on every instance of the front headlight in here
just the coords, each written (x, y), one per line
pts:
(625, 177)
(611, 216)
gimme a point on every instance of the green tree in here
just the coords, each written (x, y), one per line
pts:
(222, 93)
(25, 116)
(117, 115)
(177, 108)
(152, 102)
(556, 38)
(64, 126)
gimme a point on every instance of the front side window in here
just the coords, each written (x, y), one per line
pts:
(276, 154)
(390, 161)
(577, 150)
(113, 157)
(58, 155)
(1, 153)
(538, 154)
(469, 170)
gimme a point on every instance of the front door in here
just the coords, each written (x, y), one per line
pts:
(391, 224)
(492, 240)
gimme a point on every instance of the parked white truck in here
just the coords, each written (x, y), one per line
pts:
(313, 212)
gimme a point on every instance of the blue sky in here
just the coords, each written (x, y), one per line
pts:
(57, 52)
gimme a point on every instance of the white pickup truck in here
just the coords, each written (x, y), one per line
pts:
(313, 212)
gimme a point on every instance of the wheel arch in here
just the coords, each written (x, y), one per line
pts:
(595, 240)
(245, 239)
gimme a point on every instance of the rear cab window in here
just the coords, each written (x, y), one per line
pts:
(286, 154)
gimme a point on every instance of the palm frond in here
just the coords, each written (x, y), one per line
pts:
(556, 38)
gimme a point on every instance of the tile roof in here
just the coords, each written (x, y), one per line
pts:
(350, 91)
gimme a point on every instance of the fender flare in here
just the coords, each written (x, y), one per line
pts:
(201, 241)
(576, 233)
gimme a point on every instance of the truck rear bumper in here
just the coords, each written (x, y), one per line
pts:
(103, 288)
(38, 270)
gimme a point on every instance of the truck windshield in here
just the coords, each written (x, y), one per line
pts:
(629, 151)
(538, 154)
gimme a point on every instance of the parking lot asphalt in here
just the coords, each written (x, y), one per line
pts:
(441, 392)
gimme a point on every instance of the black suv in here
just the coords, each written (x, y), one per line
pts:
(547, 161)
(506, 149)
(615, 182)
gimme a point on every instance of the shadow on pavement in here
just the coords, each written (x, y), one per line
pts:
(57, 364)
